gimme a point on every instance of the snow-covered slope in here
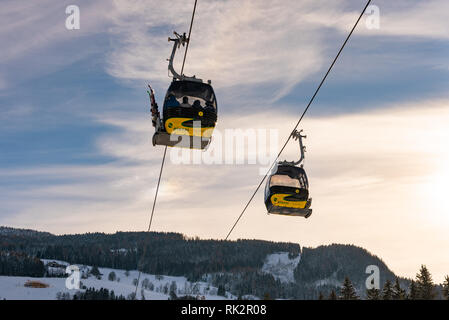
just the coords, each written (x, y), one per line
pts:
(281, 266)
(158, 287)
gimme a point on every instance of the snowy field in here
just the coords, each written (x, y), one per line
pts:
(156, 287)
(13, 288)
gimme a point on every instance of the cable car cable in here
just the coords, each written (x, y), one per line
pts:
(188, 42)
(157, 189)
(151, 216)
(300, 119)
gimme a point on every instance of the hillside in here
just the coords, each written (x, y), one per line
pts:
(154, 287)
(5, 231)
(242, 267)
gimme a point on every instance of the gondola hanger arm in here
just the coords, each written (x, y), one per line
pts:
(178, 41)
(297, 135)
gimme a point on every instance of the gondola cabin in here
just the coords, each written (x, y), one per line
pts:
(287, 191)
(189, 115)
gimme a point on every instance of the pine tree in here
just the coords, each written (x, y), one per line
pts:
(131, 296)
(446, 288)
(333, 295)
(173, 287)
(398, 292)
(112, 276)
(348, 292)
(387, 291)
(373, 294)
(424, 284)
(172, 296)
(95, 272)
(221, 291)
(413, 291)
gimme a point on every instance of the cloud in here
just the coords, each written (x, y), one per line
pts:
(36, 42)
(245, 45)
(18, 111)
(29, 27)
(249, 44)
(417, 19)
(233, 42)
(423, 19)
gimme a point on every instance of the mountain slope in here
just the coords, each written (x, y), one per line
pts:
(242, 267)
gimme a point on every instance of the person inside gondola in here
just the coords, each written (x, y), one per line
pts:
(185, 102)
(197, 105)
(209, 106)
(172, 102)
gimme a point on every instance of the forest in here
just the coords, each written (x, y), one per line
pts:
(326, 272)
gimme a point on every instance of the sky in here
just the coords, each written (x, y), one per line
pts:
(75, 131)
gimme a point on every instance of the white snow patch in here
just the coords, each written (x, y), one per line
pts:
(280, 266)
(121, 250)
(12, 288)
(329, 281)
(250, 297)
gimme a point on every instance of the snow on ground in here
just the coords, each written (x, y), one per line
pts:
(330, 281)
(250, 297)
(281, 266)
(12, 288)
(121, 250)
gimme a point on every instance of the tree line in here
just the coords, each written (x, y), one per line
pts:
(420, 288)
(234, 266)
(20, 264)
(165, 253)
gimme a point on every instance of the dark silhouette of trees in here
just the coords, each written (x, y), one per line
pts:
(373, 294)
(93, 294)
(424, 284)
(398, 292)
(413, 291)
(112, 276)
(221, 290)
(14, 263)
(387, 291)
(446, 288)
(95, 272)
(347, 291)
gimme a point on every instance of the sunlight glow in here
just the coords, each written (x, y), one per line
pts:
(436, 193)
